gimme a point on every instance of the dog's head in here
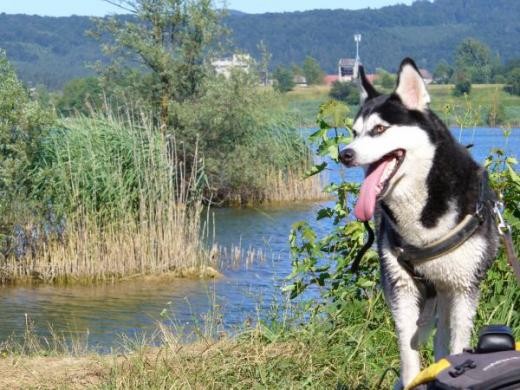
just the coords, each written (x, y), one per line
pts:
(391, 136)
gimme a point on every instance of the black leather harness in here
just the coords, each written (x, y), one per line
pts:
(409, 256)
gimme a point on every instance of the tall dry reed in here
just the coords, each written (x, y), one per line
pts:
(288, 185)
(130, 202)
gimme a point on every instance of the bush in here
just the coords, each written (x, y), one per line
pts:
(385, 79)
(22, 126)
(346, 92)
(80, 96)
(513, 82)
(283, 79)
(462, 87)
(243, 133)
(312, 71)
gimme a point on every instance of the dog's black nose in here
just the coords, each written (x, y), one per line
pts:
(346, 156)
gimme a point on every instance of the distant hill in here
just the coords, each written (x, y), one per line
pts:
(51, 50)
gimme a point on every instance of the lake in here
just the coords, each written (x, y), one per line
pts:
(107, 314)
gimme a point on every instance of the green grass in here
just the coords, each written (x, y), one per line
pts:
(304, 103)
(353, 349)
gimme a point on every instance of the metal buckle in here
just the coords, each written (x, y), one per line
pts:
(502, 226)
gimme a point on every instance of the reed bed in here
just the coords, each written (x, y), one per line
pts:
(90, 252)
(293, 186)
(122, 201)
(284, 186)
(236, 255)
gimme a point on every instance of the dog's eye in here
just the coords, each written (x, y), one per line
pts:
(379, 129)
(354, 133)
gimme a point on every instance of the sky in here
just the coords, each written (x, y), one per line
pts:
(100, 7)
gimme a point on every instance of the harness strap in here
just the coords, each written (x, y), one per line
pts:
(510, 253)
(462, 232)
(408, 256)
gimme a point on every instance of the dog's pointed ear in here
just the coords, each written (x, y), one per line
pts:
(411, 87)
(367, 90)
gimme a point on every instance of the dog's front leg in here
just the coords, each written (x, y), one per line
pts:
(405, 310)
(462, 311)
(403, 298)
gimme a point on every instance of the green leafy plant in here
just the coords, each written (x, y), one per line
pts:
(346, 92)
(325, 261)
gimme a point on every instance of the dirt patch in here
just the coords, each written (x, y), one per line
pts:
(51, 372)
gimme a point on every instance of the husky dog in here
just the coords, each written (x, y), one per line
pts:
(420, 184)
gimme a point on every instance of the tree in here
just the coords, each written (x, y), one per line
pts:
(513, 81)
(462, 84)
(170, 39)
(21, 129)
(346, 92)
(284, 79)
(312, 71)
(443, 72)
(474, 58)
(80, 95)
(265, 60)
(385, 79)
(297, 70)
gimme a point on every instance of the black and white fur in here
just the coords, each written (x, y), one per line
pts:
(434, 188)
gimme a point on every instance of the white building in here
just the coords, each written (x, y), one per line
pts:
(224, 66)
(348, 69)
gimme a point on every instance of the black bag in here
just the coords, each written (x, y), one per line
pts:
(480, 371)
(493, 365)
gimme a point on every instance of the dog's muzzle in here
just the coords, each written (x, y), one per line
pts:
(347, 157)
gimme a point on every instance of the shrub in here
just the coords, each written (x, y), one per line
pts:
(243, 134)
(22, 126)
(283, 79)
(385, 79)
(80, 96)
(513, 82)
(346, 92)
(462, 87)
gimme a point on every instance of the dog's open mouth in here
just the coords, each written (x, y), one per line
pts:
(376, 183)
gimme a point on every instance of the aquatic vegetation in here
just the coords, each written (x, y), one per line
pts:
(120, 202)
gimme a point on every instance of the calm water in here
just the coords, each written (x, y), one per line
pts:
(106, 313)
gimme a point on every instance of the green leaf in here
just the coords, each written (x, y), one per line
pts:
(316, 169)
(325, 213)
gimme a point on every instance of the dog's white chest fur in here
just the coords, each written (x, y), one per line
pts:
(406, 202)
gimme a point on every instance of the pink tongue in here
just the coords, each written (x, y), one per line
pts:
(366, 204)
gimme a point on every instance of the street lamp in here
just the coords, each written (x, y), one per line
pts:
(357, 39)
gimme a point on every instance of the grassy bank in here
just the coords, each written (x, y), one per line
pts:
(474, 111)
(353, 350)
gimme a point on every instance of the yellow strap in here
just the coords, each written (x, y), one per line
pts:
(518, 346)
(428, 374)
